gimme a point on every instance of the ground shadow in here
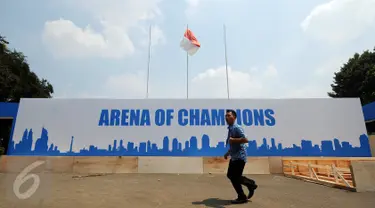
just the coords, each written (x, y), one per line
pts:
(213, 202)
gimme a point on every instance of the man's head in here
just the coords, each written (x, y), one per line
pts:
(230, 116)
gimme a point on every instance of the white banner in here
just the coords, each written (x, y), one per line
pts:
(171, 127)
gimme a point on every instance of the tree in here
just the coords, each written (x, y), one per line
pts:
(16, 79)
(356, 78)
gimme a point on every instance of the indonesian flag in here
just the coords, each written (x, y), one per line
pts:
(190, 43)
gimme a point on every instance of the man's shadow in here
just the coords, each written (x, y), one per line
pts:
(213, 202)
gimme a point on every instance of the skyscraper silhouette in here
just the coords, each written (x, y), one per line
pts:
(174, 145)
(193, 143)
(327, 148)
(166, 144)
(205, 142)
(114, 145)
(71, 144)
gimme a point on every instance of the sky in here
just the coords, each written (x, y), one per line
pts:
(275, 49)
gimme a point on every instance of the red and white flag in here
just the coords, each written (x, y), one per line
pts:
(190, 43)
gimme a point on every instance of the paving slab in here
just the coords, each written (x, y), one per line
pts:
(192, 165)
(219, 165)
(364, 175)
(92, 165)
(186, 190)
(15, 164)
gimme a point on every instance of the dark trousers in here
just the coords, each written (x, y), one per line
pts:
(234, 174)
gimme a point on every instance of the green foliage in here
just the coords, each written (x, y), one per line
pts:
(356, 78)
(2, 151)
(16, 79)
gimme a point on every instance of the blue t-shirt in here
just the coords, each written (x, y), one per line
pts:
(237, 151)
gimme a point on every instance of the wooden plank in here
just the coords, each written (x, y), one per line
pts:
(340, 176)
(343, 164)
(302, 167)
(330, 158)
(324, 179)
(326, 183)
(324, 171)
(323, 165)
(286, 165)
(292, 167)
(316, 176)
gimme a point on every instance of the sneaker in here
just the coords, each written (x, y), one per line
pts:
(239, 201)
(251, 191)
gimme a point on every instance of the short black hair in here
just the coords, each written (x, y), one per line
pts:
(233, 112)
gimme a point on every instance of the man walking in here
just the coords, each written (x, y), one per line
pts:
(238, 157)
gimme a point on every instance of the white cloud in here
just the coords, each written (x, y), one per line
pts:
(209, 84)
(338, 21)
(313, 90)
(253, 83)
(128, 85)
(127, 13)
(271, 71)
(242, 84)
(134, 86)
(65, 39)
(194, 6)
(193, 3)
(157, 36)
(320, 82)
(332, 66)
(121, 86)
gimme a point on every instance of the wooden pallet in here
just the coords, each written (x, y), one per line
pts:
(327, 173)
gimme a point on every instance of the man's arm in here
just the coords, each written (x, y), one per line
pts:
(242, 137)
(227, 154)
(239, 140)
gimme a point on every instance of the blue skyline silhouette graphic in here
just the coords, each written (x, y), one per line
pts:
(306, 148)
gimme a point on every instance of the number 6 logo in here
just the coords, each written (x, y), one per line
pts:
(23, 177)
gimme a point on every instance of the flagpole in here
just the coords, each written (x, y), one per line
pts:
(149, 59)
(226, 58)
(187, 70)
